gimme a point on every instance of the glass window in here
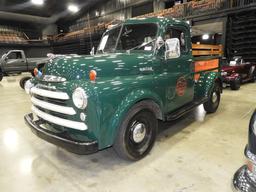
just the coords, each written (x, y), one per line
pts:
(14, 55)
(132, 37)
(176, 33)
(138, 37)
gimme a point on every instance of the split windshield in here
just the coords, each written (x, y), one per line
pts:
(132, 37)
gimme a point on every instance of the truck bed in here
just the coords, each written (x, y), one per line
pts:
(207, 58)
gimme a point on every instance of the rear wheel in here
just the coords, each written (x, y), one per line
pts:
(213, 102)
(23, 81)
(136, 135)
(236, 84)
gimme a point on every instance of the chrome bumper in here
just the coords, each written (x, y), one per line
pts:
(61, 139)
(244, 180)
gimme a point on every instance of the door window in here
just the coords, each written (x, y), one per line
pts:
(172, 32)
(15, 55)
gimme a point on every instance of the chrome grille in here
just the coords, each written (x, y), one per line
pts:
(51, 106)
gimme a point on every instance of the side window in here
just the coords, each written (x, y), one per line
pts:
(176, 33)
(14, 55)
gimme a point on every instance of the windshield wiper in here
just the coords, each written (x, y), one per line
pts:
(142, 45)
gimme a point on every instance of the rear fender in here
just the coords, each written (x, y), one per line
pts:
(206, 83)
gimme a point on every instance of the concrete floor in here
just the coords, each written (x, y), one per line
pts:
(197, 153)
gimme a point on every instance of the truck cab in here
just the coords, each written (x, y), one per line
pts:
(143, 71)
(14, 61)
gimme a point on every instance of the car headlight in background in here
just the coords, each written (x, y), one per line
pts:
(79, 98)
(28, 85)
(224, 73)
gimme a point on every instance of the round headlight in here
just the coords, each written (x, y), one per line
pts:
(28, 85)
(79, 98)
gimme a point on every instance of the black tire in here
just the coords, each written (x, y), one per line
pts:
(213, 102)
(23, 81)
(131, 146)
(235, 85)
(254, 77)
(1, 76)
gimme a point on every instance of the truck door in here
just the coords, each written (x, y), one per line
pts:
(180, 83)
(15, 62)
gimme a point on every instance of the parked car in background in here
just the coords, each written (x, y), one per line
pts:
(15, 61)
(238, 71)
(39, 68)
(245, 178)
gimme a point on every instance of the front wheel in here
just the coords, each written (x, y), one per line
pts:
(213, 102)
(136, 135)
(23, 81)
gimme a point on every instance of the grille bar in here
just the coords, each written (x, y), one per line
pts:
(53, 107)
(59, 121)
(49, 94)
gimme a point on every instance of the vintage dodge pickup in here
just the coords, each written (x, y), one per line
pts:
(144, 71)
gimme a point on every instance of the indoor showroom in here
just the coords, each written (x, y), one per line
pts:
(128, 95)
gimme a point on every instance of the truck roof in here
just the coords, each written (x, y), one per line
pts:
(162, 21)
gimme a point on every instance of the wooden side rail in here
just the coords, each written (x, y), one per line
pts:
(205, 65)
(204, 50)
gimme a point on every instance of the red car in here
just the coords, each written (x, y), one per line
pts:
(238, 71)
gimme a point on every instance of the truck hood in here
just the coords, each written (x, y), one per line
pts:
(106, 65)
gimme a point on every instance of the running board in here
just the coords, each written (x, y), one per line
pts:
(185, 109)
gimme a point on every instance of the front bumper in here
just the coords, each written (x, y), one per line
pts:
(61, 139)
(242, 182)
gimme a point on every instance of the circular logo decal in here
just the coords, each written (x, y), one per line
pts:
(181, 86)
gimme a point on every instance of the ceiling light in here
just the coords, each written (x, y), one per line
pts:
(205, 37)
(37, 2)
(73, 8)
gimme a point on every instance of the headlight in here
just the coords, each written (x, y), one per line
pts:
(79, 98)
(28, 85)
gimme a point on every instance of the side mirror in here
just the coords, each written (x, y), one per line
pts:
(159, 42)
(6, 58)
(172, 48)
(92, 52)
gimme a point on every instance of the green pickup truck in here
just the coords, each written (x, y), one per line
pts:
(143, 71)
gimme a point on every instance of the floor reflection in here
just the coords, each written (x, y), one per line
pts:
(10, 139)
(200, 113)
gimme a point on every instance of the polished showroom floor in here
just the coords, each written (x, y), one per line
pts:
(196, 153)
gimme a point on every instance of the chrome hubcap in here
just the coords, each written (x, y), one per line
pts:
(214, 97)
(139, 132)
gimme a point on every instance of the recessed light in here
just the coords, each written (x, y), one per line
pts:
(37, 2)
(73, 8)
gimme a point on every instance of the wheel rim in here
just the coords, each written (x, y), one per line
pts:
(139, 135)
(139, 132)
(214, 97)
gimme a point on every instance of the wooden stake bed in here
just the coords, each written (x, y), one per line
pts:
(206, 50)
(206, 58)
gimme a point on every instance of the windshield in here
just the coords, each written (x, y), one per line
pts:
(132, 37)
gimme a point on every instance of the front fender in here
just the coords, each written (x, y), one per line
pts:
(109, 128)
(205, 84)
